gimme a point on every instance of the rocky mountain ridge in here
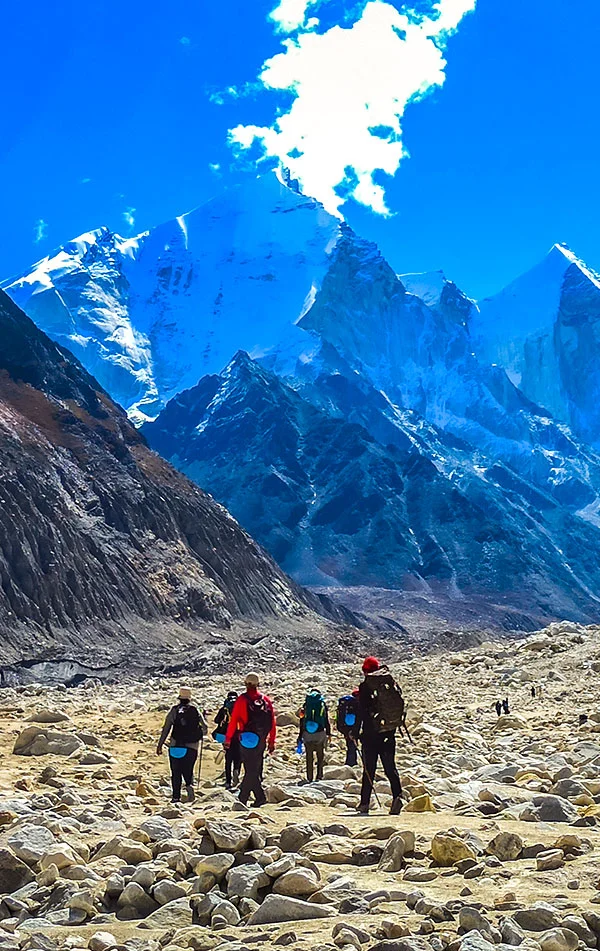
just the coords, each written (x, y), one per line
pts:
(102, 543)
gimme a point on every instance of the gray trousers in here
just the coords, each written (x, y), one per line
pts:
(314, 744)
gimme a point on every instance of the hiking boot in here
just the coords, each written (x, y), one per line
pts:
(260, 802)
(191, 795)
(176, 799)
(396, 806)
(363, 810)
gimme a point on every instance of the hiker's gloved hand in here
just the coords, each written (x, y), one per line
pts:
(159, 750)
(226, 745)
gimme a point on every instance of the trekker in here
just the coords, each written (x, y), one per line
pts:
(505, 706)
(253, 718)
(187, 727)
(380, 713)
(314, 732)
(498, 707)
(233, 754)
(533, 693)
(346, 718)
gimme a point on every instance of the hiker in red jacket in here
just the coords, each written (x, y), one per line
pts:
(253, 719)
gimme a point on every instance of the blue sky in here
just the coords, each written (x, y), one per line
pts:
(113, 113)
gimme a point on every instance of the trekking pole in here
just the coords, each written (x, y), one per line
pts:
(200, 761)
(370, 778)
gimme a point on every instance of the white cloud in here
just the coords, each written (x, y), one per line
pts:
(289, 15)
(129, 217)
(351, 87)
(40, 230)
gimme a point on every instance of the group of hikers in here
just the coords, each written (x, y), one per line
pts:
(368, 719)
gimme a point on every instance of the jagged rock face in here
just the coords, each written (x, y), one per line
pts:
(97, 529)
(544, 329)
(336, 504)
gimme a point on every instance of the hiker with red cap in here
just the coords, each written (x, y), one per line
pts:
(380, 714)
(253, 720)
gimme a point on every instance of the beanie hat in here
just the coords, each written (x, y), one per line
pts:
(370, 664)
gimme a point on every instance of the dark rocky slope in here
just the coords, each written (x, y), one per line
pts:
(104, 548)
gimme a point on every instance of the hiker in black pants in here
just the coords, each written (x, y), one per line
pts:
(498, 707)
(187, 727)
(346, 719)
(233, 754)
(376, 744)
(253, 719)
(505, 706)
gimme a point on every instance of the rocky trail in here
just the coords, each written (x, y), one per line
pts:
(497, 844)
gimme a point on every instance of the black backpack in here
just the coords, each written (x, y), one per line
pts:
(260, 716)
(385, 702)
(347, 713)
(186, 728)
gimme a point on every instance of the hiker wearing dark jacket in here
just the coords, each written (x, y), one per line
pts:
(186, 726)
(347, 730)
(376, 745)
(253, 718)
(315, 741)
(233, 754)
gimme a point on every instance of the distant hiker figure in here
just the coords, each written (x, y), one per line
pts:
(533, 692)
(186, 726)
(499, 707)
(233, 754)
(345, 721)
(314, 732)
(505, 707)
(381, 712)
(253, 719)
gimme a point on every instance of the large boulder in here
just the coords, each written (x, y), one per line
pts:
(279, 908)
(129, 850)
(543, 808)
(506, 846)
(392, 859)
(558, 939)
(13, 873)
(31, 842)
(35, 741)
(294, 837)
(176, 914)
(447, 849)
(245, 881)
(539, 917)
(228, 836)
(330, 849)
(157, 829)
(297, 883)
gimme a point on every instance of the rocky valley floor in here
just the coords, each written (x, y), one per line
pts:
(497, 845)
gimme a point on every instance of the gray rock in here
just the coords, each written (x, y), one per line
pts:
(36, 741)
(507, 846)
(133, 902)
(297, 883)
(279, 908)
(558, 939)
(228, 836)
(166, 891)
(392, 859)
(470, 919)
(549, 809)
(294, 837)
(539, 917)
(176, 914)
(581, 929)
(550, 860)
(227, 911)
(13, 873)
(245, 881)
(157, 829)
(30, 843)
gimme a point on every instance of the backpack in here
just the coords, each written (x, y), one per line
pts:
(186, 728)
(314, 712)
(347, 713)
(385, 702)
(260, 716)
